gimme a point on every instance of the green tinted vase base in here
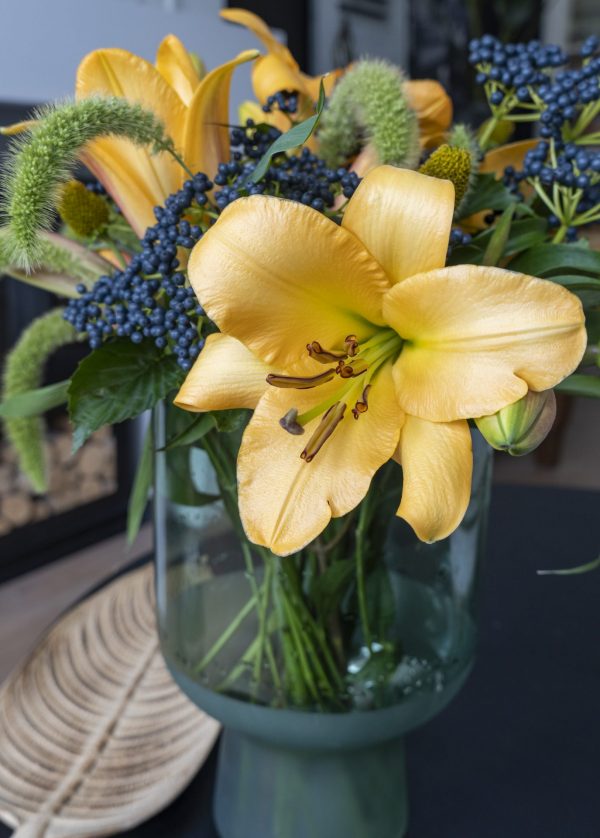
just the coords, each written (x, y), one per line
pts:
(264, 791)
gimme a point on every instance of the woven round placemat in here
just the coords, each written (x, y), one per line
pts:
(95, 737)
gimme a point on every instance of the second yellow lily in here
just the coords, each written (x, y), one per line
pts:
(194, 110)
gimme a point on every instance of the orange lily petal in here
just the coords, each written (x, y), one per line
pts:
(206, 136)
(284, 501)
(512, 154)
(276, 275)
(135, 179)
(120, 168)
(403, 218)
(477, 338)
(433, 106)
(312, 84)
(225, 376)
(175, 65)
(258, 27)
(437, 465)
(272, 73)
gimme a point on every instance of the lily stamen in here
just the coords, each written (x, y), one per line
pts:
(362, 405)
(290, 424)
(299, 382)
(324, 356)
(351, 370)
(326, 427)
(351, 343)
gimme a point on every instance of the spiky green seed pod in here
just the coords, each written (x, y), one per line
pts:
(452, 164)
(368, 105)
(85, 212)
(42, 160)
(23, 371)
(520, 427)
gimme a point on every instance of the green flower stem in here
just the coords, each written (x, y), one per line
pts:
(227, 634)
(262, 620)
(361, 535)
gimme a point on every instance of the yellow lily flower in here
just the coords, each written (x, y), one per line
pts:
(358, 338)
(278, 70)
(194, 110)
(433, 107)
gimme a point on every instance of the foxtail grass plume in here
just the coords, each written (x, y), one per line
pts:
(23, 371)
(43, 158)
(369, 107)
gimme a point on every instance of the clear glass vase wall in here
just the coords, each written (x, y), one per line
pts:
(365, 618)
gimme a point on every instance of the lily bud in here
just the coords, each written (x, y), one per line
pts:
(520, 427)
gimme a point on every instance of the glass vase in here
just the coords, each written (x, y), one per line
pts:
(318, 663)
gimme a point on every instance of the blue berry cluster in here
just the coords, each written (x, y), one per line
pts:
(517, 66)
(302, 177)
(149, 298)
(286, 101)
(572, 168)
(458, 238)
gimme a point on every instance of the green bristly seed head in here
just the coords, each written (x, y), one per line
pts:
(368, 105)
(85, 212)
(42, 160)
(461, 136)
(452, 164)
(23, 371)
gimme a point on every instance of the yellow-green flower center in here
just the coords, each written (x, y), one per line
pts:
(357, 366)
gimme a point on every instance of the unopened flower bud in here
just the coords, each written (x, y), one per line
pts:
(520, 427)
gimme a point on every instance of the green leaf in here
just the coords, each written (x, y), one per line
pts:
(140, 491)
(487, 194)
(35, 402)
(199, 427)
(116, 382)
(293, 138)
(499, 238)
(547, 259)
(228, 421)
(465, 255)
(581, 385)
(328, 588)
(572, 571)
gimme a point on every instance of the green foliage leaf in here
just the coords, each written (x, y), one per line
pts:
(499, 238)
(228, 421)
(581, 385)
(116, 382)
(547, 259)
(200, 425)
(35, 402)
(329, 587)
(293, 138)
(487, 194)
(576, 282)
(140, 491)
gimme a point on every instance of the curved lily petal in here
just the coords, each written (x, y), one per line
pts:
(206, 135)
(511, 154)
(284, 501)
(258, 27)
(136, 179)
(437, 465)
(433, 106)
(129, 177)
(477, 338)
(225, 376)
(272, 73)
(175, 65)
(403, 218)
(276, 275)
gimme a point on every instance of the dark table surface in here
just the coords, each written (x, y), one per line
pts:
(517, 753)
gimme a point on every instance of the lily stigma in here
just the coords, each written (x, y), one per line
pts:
(358, 339)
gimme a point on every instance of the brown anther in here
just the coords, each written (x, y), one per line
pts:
(298, 382)
(351, 343)
(324, 356)
(362, 405)
(352, 370)
(289, 423)
(325, 428)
